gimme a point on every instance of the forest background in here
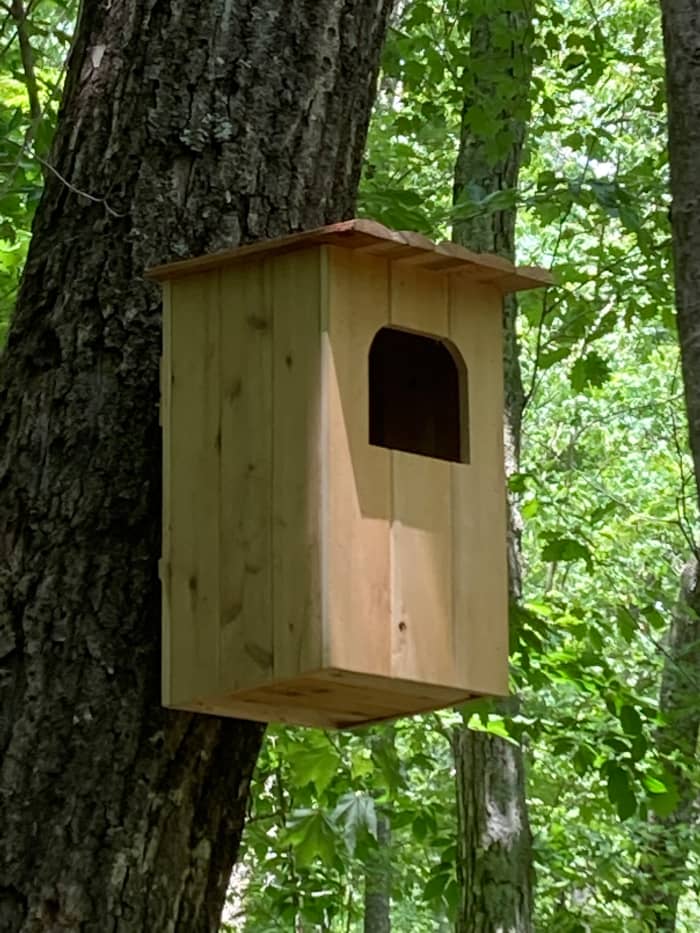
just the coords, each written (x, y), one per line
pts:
(349, 830)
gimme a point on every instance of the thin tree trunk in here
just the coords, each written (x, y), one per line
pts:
(188, 126)
(666, 846)
(494, 857)
(665, 856)
(495, 847)
(681, 27)
(377, 917)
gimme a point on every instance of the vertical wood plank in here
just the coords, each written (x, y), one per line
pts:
(357, 503)
(421, 533)
(479, 497)
(193, 439)
(246, 652)
(295, 283)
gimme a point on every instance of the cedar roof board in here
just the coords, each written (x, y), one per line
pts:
(367, 236)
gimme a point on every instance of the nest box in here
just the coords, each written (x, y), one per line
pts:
(334, 524)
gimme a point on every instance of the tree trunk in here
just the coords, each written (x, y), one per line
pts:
(495, 845)
(665, 850)
(187, 126)
(681, 26)
(378, 882)
(493, 852)
(668, 845)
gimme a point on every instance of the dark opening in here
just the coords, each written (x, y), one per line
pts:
(418, 395)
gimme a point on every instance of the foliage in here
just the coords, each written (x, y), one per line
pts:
(30, 90)
(312, 829)
(602, 549)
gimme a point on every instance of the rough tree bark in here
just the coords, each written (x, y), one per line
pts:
(494, 866)
(681, 27)
(188, 126)
(495, 847)
(377, 915)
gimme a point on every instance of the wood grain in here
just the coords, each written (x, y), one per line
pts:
(480, 581)
(192, 439)
(374, 238)
(295, 283)
(246, 654)
(357, 476)
(421, 536)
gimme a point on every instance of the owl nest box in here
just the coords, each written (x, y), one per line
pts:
(334, 520)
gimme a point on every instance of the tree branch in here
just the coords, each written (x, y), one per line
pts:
(19, 14)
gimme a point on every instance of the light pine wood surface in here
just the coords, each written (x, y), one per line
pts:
(309, 576)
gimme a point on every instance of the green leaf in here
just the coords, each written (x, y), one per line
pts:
(583, 759)
(7, 231)
(314, 763)
(630, 218)
(549, 108)
(530, 509)
(549, 357)
(420, 827)
(654, 618)
(517, 482)
(361, 763)
(552, 40)
(356, 813)
(620, 792)
(420, 14)
(630, 720)
(436, 886)
(574, 141)
(654, 785)
(573, 60)
(626, 623)
(639, 747)
(591, 370)
(389, 766)
(664, 803)
(567, 549)
(312, 836)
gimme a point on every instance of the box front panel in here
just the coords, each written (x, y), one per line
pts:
(357, 476)
(480, 588)
(421, 529)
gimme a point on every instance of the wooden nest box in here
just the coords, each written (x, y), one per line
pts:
(334, 533)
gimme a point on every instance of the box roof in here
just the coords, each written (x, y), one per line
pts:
(370, 237)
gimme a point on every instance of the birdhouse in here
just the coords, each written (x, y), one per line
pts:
(334, 507)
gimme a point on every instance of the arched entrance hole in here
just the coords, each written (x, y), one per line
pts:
(418, 395)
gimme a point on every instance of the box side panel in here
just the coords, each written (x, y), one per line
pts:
(164, 413)
(357, 476)
(191, 447)
(421, 532)
(295, 285)
(245, 350)
(479, 498)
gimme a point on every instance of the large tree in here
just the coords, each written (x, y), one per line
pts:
(185, 126)
(494, 844)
